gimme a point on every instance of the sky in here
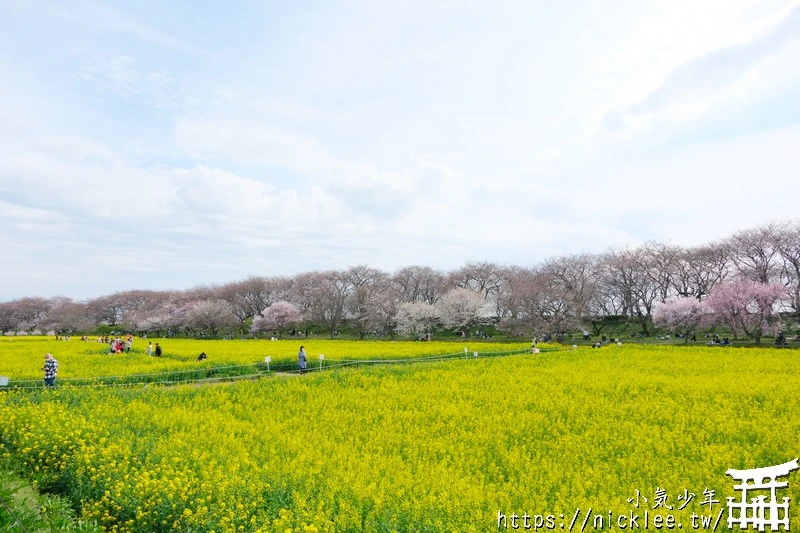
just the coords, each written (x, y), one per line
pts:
(165, 145)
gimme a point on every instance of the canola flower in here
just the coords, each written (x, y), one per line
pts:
(435, 447)
(21, 357)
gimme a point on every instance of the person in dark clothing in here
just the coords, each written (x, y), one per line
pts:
(158, 350)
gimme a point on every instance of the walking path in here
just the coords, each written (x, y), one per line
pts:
(251, 371)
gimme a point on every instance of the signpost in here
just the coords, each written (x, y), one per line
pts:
(268, 360)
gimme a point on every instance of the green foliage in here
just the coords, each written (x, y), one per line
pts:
(21, 505)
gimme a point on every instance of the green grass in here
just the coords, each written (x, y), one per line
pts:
(22, 508)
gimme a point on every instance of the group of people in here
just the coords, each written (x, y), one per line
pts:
(154, 351)
(50, 367)
(716, 340)
(117, 345)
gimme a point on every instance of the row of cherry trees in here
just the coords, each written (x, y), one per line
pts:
(743, 305)
(561, 294)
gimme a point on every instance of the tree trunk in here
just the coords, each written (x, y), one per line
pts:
(643, 323)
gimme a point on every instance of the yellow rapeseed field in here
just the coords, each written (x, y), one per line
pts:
(450, 446)
(21, 358)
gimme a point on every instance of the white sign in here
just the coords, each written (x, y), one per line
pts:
(322, 357)
(268, 359)
(3, 381)
(760, 513)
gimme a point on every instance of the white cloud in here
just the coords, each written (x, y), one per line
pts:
(24, 213)
(694, 193)
(123, 77)
(298, 150)
(270, 146)
(706, 77)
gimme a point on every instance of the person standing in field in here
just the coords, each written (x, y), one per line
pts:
(158, 350)
(50, 370)
(150, 349)
(301, 359)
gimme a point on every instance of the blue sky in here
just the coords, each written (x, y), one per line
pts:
(166, 145)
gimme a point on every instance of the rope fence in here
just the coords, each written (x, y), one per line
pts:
(252, 371)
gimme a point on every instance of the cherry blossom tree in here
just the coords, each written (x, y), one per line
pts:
(748, 306)
(381, 309)
(29, 312)
(628, 278)
(789, 248)
(416, 319)
(152, 320)
(681, 315)
(248, 298)
(277, 317)
(755, 252)
(108, 310)
(368, 290)
(210, 316)
(462, 309)
(536, 303)
(573, 280)
(66, 317)
(8, 320)
(419, 283)
(329, 293)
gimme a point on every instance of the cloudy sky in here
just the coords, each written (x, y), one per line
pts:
(164, 145)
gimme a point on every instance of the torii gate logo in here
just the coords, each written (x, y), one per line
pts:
(758, 512)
